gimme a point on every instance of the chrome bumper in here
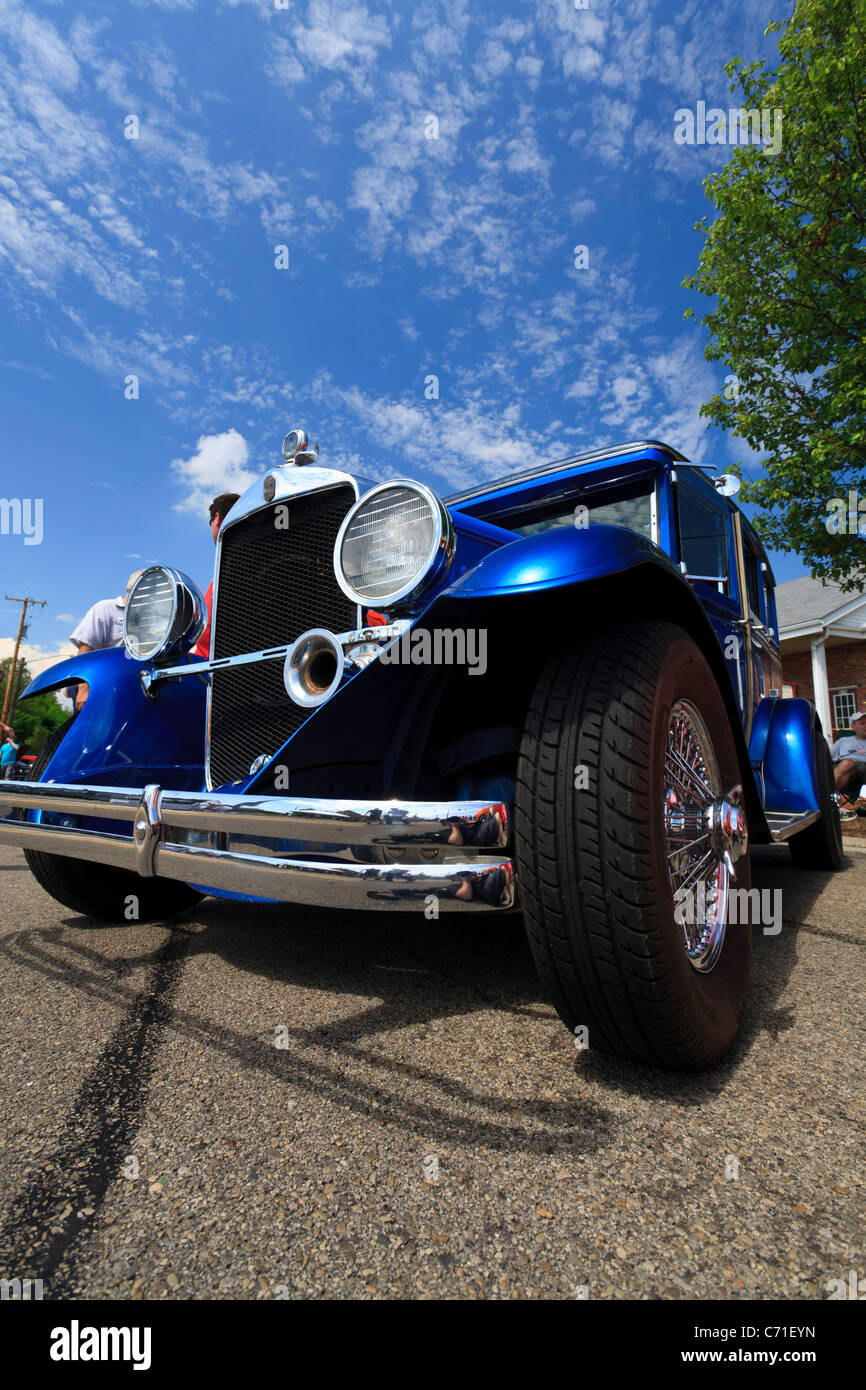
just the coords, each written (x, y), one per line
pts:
(322, 852)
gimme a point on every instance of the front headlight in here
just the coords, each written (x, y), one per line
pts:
(165, 612)
(395, 542)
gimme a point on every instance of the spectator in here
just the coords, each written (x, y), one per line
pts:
(849, 757)
(101, 626)
(219, 510)
(8, 754)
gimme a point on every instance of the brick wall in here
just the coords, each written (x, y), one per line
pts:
(797, 670)
(846, 665)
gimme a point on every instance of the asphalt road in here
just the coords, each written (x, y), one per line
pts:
(260, 1102)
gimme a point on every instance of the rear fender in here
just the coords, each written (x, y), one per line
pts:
(782, 754)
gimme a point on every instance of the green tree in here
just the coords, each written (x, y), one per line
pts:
(33, 720)
(785, 259)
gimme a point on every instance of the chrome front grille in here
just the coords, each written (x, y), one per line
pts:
(274, 583)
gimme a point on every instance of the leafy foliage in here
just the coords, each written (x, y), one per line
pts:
(785, 258)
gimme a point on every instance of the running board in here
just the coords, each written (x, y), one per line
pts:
(784, 824)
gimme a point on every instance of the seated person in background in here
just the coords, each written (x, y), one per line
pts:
(849, 757)
(101, 626)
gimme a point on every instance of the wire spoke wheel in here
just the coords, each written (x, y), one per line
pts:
(700, 882)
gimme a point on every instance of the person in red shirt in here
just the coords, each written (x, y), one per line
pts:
(219, 510)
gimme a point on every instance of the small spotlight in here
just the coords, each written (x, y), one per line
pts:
(295, 442)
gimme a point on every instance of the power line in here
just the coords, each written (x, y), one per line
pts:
(53, 657)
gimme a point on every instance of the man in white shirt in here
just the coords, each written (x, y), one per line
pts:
(101, 626)
(849, 755)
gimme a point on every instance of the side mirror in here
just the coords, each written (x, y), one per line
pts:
(728, 485)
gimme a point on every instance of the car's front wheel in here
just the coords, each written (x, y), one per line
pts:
(98, 890)
(631, 840)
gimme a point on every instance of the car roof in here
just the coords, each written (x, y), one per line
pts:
(642, 446)
(613, 451)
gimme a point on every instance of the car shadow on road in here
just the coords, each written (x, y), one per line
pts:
(415, 976)
(416, 973)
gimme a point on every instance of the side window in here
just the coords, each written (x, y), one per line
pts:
(770, 608)
(703, 539)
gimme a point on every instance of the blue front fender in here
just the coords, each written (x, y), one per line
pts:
(122, 738)
(566, 555)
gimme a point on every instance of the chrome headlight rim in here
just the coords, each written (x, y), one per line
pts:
(438, 559)
(188, 619)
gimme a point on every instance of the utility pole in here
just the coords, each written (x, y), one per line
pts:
(12, 678)
(15, 674)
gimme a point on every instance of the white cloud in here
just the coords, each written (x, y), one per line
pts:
(284, 66)
(586, 386)
(218, 465)
(431, 437)
(440, 41)
(576, 37)
(341, 36)
(44, 55)
(531, 67)
(494, 60)
(512, 30)
(32, 369)
(386, 196)
(655, 395)
(37, 657)
(78, 201)
(612, 122)
(523, 153)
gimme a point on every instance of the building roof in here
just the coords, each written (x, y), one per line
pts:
(810, 605)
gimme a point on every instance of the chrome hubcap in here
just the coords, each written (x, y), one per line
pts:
(705, 835)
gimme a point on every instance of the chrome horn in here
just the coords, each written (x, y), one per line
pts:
(313, 668)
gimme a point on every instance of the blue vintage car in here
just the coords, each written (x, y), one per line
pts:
(559, 691)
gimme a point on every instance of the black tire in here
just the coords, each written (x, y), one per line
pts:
(98, 890)
(819, 846)
(592, 867)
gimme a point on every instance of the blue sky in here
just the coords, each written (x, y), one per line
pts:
(416, 247)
